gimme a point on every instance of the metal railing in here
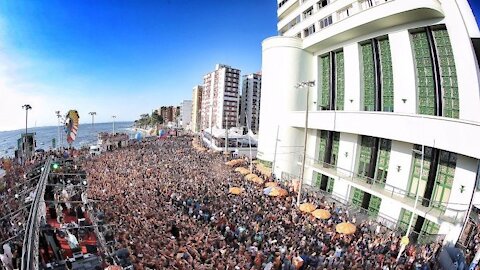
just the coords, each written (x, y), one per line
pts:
(362, 214)
(391, 191)
(32, 228)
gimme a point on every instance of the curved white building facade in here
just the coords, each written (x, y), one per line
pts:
(390, 77)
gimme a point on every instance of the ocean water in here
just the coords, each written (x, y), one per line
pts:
(87, 135)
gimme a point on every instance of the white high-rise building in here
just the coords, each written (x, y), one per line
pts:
(185, 113)
(220, 98)
(196, 108)
(250, 101)
(390, 77)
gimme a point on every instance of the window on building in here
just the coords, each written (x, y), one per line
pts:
(366, 147)
(325, 80)
(366, 4)
(307, 13)
(319, 182)
(415, 175)
(309, 30)
(340, 80)
(344, 13)
(387, 75)
(322, 144)
(368, 69)
(448, 73)
(425, 80)
(383, 160)
(437, 95)
(323, 3)
(444, 179)
(404, 220)
(326, 22)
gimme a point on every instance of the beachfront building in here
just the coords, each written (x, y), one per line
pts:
(220, 98)
(250, 101)
(185, 113)
(167, 113)
(388, 79)
(196, 108)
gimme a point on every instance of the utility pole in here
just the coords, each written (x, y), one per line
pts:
(307, 84)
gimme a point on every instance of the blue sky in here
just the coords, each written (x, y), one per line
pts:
(123, 57)
(119, 57)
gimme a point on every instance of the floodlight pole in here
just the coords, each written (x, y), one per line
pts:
(307, 84)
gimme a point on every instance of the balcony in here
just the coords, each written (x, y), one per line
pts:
(432, 131)
(436, 211)
(368, 19)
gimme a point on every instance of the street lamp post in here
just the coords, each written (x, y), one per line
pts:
(93, 117)
(114, 116)
(405, 237)
(57, 113)
(26, 107)
(299, 85)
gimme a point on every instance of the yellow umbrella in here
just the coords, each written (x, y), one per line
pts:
(321, 214)
(239, 169)
(271, 184)
(278, 192)
(307, 207)
(235, 190)
(257, 180)
(346, 228)
(250, 176)
(245, 171)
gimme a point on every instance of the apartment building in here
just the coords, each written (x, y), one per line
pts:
(392, 91)
(220, 98)
(250, 101)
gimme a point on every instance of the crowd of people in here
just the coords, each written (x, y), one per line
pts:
(172, 209)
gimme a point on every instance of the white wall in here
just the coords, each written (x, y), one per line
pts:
(352, 77)
(400, 155)
(465, 175)
(284, 64)
(465, 63)
(404, 78)
(348, 144)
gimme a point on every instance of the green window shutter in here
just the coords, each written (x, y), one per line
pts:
(404, 220)
(368, 77)
(424, 68)
(387, 75)
(357, 196)
(444, 179)
(340, 80)
(325, 87)
(415, 175)
(335, 147)
(448, 73)
(374, 206)
(365, 155)
(330, 184)
(383, 160)
(322, 145)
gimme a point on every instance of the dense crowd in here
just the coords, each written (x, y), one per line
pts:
(172, 210)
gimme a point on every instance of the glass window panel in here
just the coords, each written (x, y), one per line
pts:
(325, 87)
(340, 81)
(387, 75)
(368, 77)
